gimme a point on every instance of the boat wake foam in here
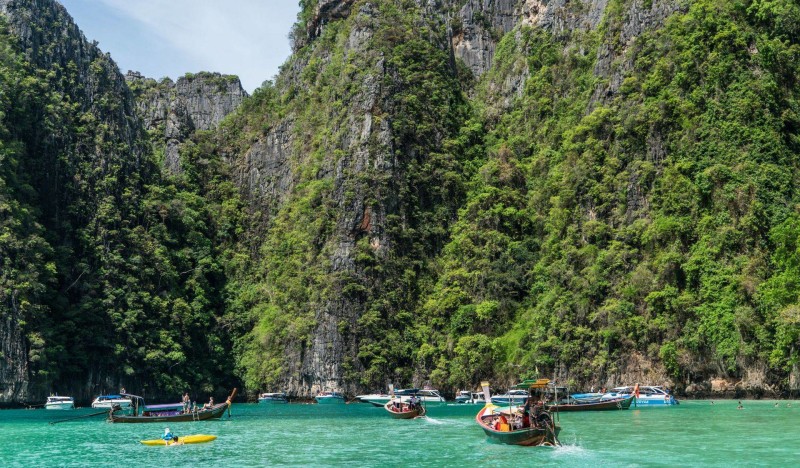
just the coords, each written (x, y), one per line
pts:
(430, 420)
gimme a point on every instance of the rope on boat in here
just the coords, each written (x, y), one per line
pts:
(551, 437)
(78, 417)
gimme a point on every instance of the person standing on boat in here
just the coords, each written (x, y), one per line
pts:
(526, 413)
(186, 402)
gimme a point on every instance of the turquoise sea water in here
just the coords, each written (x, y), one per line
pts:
(696, 433)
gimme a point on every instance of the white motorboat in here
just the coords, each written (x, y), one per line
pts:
(513, 397)
(470, 398)
(646, 395)
(328, 398)
(56, 402)
(108, 401)
(377, 399)
(272, 398)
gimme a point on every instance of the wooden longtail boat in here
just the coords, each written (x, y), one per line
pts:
(401, 410)
(215, 412)
(602, 405)
(517, 425)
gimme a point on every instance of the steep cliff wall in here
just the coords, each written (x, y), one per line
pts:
(172, 111)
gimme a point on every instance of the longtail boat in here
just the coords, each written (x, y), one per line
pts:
(600, 405)
(519, 425)
(215, 412)
(404, 410)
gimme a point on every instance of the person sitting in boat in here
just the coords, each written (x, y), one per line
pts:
(210, 404)
(168, 435)
(501, 424)
(175, 441)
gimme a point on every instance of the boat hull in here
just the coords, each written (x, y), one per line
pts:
(658, 401)
(272, 401)
(531, 436)
(215, 412)
(65, 405)
(605, 405)
(330, 400)
(190, 439)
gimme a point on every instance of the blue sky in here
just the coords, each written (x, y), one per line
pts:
(162, 38)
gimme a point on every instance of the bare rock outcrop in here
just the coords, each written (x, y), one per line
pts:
(172, 111)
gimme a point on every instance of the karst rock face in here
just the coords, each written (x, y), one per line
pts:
(370, 144)
(172, 111)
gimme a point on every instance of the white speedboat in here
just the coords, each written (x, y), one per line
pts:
(513, 397)
(272, 398)
(647, 395)
(377, 399)
(60, 402)
(329, 398)
(426, 395)
(108, 401)
(470, 398)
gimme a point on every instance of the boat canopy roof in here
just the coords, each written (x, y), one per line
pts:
(532, 383)
(165, 406)
(111, 397)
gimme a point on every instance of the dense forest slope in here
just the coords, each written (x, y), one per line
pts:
(106, 273)
(431, 192)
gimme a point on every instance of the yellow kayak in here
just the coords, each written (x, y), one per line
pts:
(190, 439)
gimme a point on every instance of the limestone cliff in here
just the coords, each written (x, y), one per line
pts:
(172, 111)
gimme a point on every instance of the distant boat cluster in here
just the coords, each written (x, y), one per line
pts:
(526, 414)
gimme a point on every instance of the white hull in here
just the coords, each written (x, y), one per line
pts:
(330, 400)
(60, 406)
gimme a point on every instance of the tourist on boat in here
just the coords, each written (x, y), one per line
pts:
(413, 402)
(210, 404)
(175, 441)
(526, 413)
(186, 402)
(167, 435)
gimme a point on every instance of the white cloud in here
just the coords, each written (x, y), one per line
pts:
(244, 37)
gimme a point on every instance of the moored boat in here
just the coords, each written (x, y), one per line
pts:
(469, 398)
(399, 409)
(528, 426)
(56, 402)
(110, 401)
(376, 399)
(329, 398)
(570, 404)
(169, 415)
(512, 397)
(646, 395)
(272, 398)
(429, 396)
(189, 439)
